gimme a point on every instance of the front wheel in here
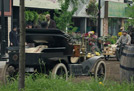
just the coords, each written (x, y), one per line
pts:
(60, 71)
(100, 71)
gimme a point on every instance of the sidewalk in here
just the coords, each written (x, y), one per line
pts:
(2, 64)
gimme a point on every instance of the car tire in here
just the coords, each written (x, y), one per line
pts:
(57, 71)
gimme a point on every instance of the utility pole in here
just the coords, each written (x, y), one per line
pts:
(3, 38)
(99, 19)
(22, 47)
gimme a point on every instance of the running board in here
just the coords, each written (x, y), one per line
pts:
(77, 70)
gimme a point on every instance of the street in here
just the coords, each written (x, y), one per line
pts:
(112, 70)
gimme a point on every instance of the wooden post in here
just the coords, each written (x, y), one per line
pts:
(22, 47)
(105, 26)
(99, 19)
(3, 40)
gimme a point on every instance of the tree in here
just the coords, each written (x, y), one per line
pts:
(130, 14)
(64, 18)
(31, 17)
(92, 9)
(22, 47)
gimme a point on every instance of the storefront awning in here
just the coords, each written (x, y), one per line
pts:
(45, 4)
(53, 4)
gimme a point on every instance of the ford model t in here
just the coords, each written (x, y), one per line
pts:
(53, 51)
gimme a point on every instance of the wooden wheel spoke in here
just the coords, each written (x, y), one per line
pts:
(8, 73)
(60, 70)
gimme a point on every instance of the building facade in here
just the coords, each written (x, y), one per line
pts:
(113, 15)
(80, 18)
(4, 34)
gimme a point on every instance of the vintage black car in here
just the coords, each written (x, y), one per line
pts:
(54, 51)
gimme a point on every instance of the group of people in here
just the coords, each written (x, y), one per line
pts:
(13, 36)
(49, 23)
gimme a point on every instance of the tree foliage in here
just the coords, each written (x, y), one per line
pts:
(130, 14)
(36, 16)
(41, 17)
(31, 16)
(27, 15)
(92, 8)
(63, 17)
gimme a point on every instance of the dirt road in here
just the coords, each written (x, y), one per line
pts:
(113, 70)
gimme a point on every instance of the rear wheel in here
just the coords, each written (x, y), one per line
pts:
(100, 71)
(8, 73)
(60, 71)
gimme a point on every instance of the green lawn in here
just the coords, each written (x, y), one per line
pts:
(45, 83)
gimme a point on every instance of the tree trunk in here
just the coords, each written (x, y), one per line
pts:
(22, 47)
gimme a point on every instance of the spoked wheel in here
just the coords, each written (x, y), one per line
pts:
(100, 71)
(60, 71)
(8, 73)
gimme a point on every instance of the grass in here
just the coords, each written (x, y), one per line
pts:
(46, 83)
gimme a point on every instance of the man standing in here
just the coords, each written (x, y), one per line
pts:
(124, 39)
(14, 37)
(51, 23)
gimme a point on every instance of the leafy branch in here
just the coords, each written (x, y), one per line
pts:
(92, 9)
(64, 18)
(130, 14)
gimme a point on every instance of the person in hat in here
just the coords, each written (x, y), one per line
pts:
(13, 36)
(51, 23)
(124, 38)
(120, 32)
(121, 29)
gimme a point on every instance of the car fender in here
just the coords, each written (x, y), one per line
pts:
(89, 64)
